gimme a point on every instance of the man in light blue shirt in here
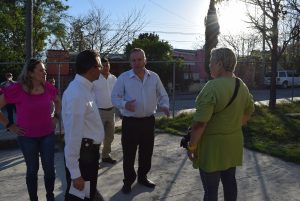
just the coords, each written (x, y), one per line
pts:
(137, 93)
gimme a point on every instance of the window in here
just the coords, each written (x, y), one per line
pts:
(196, 76)
(282, 74)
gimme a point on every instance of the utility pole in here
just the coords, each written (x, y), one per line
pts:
(173, 90)
(29, 26)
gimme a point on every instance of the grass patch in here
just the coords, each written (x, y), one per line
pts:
(274, 132)
(177, 125)
(271, 132)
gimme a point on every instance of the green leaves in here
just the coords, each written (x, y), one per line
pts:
(47, 21)
(155, 50)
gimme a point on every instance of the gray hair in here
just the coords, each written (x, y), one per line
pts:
(138, 50)
(224, 55)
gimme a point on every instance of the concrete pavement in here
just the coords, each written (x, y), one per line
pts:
(261, 178)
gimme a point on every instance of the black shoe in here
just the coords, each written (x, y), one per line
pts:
(147, 182)
(109, 160)
(126, 189)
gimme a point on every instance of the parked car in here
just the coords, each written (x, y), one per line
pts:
(284, 78)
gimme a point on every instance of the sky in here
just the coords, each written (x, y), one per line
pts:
(180, 22)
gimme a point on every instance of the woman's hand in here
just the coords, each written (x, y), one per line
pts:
(192, 155)
(16, 130)
(196, 135)
(192, 150)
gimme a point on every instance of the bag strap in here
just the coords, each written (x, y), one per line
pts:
(236, 89)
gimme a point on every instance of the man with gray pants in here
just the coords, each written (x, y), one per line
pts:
(102, 89)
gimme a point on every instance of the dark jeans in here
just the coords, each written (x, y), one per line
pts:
(211, 182)
(137, 132)
(88, 165)
(32, 148)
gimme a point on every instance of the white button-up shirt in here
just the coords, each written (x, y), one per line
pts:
(81, 119)
(147, 93)
(102, 89)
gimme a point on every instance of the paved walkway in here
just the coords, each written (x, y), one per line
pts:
(261, 178)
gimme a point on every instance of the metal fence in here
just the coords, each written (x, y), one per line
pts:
(179, 77)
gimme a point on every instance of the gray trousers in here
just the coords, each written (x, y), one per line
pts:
(108, 121)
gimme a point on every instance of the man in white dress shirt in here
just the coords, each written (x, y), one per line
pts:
(137, 93)
(102, 89)
(83, 127)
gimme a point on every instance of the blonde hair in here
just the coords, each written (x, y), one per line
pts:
(224, 55)
(24, 77)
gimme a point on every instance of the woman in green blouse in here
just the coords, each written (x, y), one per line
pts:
(216, 145)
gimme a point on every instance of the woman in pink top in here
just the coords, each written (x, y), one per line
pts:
(33, 97)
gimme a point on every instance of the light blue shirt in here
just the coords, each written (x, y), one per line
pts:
(147, 93)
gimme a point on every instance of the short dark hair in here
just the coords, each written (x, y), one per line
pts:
(86, 60)
(104, 60)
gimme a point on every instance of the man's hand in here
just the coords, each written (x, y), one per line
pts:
(130, 105)
(78, 183)
(165, 110)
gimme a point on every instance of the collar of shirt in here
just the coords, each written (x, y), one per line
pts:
(102, 76)
(132, 74)
(88, 84)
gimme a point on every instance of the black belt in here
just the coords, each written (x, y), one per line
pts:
(88, 150)
(139, 118)
(106, 109)
(87, 143)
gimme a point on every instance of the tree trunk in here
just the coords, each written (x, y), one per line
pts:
(212, 30)
(29, 25)
(274, 60)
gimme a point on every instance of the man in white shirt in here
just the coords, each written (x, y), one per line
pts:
(137, 93)
(102, 89)
(83, 128)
